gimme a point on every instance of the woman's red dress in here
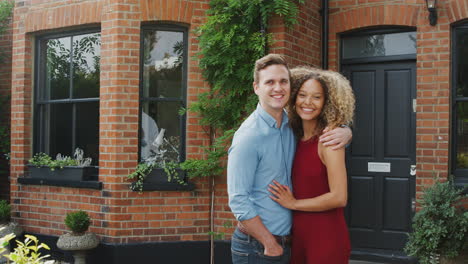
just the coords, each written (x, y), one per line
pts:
(317, 237)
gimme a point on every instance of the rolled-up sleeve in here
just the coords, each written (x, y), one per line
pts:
(242, 164)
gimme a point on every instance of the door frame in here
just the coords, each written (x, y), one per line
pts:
(380, 254)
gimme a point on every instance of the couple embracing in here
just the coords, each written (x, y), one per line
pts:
(287, 180)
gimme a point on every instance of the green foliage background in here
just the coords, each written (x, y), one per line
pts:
(440, 228)
(6, 9)
(231, 40)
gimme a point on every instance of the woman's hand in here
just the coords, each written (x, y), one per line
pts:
(282, 195)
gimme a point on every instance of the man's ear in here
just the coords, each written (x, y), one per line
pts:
(255, 86)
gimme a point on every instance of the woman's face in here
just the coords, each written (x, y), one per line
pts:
(310, 100)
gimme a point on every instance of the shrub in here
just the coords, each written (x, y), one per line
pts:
(5, 212)
(78, 222)
(440, 227)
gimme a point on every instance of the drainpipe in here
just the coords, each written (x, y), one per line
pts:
(324, 13)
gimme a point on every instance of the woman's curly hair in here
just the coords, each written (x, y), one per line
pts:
(339, 98)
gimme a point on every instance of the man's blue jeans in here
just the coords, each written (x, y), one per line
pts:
(247, 250)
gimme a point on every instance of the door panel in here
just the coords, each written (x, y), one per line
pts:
(363, 84)
(381, 154)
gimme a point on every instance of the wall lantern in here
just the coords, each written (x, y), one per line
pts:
(431, 7)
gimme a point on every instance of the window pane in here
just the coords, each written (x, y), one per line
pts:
(461, 78)
(156, 144)
(58, 69)
(87, 129)
(462, 135)
(162, 64)
(58, 129)
(86, 56)
(379, 45)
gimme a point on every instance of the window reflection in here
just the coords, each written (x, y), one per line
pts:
(58, 69)
(86, 67)
(379, 45)
(72, 69)
(58, 129)
(161, 132)
(163, 60)
(462, 135)
(462, 64)
(163, 87)
(461, 90)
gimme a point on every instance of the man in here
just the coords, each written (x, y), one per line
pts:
(262, 151)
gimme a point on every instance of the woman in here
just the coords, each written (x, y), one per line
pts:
(320, 99)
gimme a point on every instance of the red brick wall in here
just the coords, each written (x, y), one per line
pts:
(5, 90)
(301, 44)
(433, 67)
(119, 216)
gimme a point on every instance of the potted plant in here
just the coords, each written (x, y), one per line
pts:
(159, 165)
(6, 226)
(78, 241)
(62, 168)
(440, 228)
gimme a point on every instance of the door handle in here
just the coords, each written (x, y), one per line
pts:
(412, 171)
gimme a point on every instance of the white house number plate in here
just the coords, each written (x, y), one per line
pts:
(378, 167)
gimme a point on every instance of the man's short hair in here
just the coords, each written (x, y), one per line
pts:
(268, 60)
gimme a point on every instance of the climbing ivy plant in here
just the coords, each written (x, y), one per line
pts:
(232, 39)
(6, 9)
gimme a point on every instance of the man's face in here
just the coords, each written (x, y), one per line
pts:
(273, 88)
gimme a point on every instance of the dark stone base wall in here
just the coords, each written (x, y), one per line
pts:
(178, 252)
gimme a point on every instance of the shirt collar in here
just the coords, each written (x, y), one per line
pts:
(269, 119)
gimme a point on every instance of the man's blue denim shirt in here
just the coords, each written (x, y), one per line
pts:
(260, 153)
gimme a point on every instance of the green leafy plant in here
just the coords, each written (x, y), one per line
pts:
(233, 27)
(139, 175)
(220, 235)
(5, 212)
(6, 10)
(78, 222)
(27, 252)
(4, 241)
(440, 228)
(164, 154)
(143, 169)
(44, 160)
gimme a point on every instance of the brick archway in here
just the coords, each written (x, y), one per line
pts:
(168, 10)
(365, 17)
(457, 10)
(64, 16)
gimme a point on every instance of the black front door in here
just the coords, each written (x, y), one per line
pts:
(382, 153)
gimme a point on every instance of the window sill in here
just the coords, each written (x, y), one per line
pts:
(158, 180)
(462, 183)
(61, 183)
